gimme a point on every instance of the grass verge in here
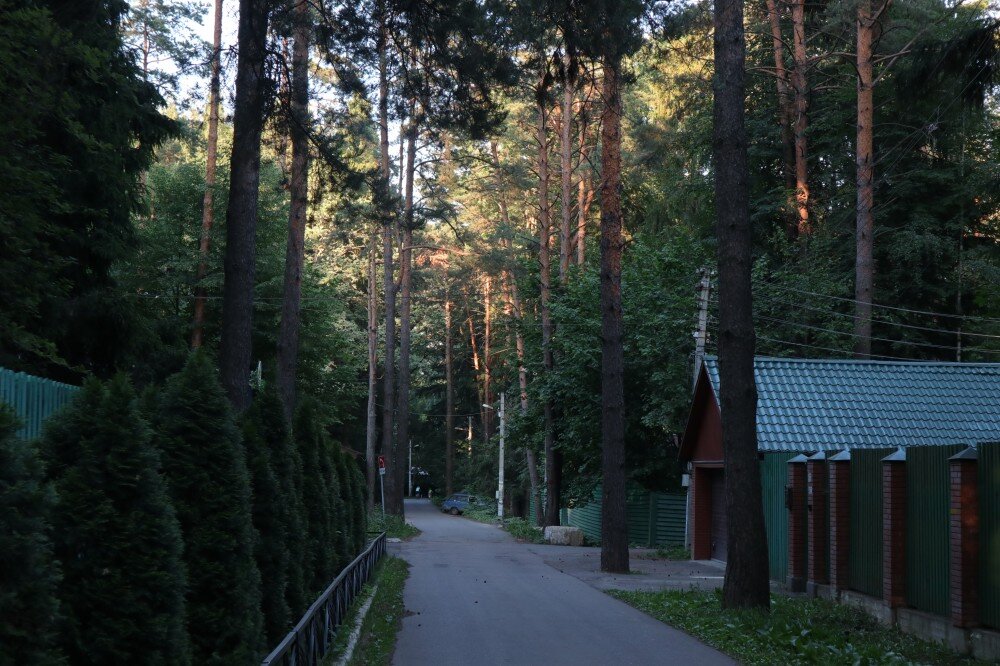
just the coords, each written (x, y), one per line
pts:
(393, 526)
(377, 638)
(797, 631)
(519, 528)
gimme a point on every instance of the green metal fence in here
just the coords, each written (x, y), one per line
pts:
(927, 527)
(33, 399)
(774, 478)
(989, 533)
(865, 557)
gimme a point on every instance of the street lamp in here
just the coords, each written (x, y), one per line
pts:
(503, 433)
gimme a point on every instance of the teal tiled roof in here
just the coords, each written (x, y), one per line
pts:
(814, 405)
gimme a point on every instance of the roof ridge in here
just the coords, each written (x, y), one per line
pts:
(863, 361)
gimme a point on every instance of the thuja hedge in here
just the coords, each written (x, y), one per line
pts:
(171, 531)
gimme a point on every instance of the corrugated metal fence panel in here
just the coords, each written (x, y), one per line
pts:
(668, 518)
(927, 527)
(989, 533)
(639, 517)
(588, 518)
(33, 399)
(865, 558)
(774, 478)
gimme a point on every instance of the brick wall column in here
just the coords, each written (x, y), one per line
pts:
(840, 519)
(894, 529)
(816, 480)
(796, 503)
(964, 518)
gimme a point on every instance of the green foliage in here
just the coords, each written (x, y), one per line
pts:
(319, 499)
(394, 526)
(270, 509)
(521, 529)
(377, 639)
(116, 534)
(29, 575)
(205, 466)
(77, 128)
(797, 631)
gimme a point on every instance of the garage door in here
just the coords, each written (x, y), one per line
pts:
(719, 516)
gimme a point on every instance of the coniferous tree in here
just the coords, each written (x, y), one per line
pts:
(207, 474)
(340, 529)
(360, 523)
(287, 467)
(29, 575)
(115, 533)
(311, 440)
(347, 498)
(269, 512)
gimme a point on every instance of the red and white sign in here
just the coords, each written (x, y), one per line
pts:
(381, 465)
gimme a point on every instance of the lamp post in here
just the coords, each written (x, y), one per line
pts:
(503, 434)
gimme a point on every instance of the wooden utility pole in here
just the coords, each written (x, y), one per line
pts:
(746, 583)
(208, 199)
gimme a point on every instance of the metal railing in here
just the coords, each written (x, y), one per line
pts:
(309, 641)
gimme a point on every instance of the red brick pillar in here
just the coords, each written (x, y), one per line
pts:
(816, 479)
(964, 538)
(894, 529)
(840, 519)
(796, 502)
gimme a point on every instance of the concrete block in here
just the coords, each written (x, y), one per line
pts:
(985, 644)
(561, 535)
(877, 608)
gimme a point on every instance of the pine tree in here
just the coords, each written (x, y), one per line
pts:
(207, 473)
(115, 533)
(29, 575)
(347, 506)
(311, 441)
(339, 548)
(269, 511)
(287, 467)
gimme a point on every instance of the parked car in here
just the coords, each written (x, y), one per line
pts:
(458, 502)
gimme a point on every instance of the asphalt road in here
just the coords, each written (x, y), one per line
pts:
(476, 596)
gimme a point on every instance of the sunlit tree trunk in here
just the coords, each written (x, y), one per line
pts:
(291, 313)
(786, 116)
(449, 423)
(799, 88)
(746, 583)
(566, 168)
(208, 199)
(370, 425)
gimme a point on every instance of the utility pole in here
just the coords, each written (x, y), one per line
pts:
(409, 473)
(701, 335)
(503, 433)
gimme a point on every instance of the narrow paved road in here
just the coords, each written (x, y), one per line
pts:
(476, 596)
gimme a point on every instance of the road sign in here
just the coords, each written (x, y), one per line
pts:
(381, 465)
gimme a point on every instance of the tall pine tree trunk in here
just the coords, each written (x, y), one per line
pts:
(449, 418)
(614, 524)
(566, 168)
(864, 269)
(746, 583)
(208, 200)
(487, 369)
(235, 350)
(370, 425)
(291, 301)
(786, 116)
(406, 295)
(801, 116)
(553, 466)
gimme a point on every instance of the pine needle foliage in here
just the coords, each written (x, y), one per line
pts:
(269, 511)
(313, 442)
(116, 534)
(29, 575)
(204, 463)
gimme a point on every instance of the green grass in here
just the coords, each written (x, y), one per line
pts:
(667, 553)
(797, 631)
(377, 638)
(393, 526)
(519, 528)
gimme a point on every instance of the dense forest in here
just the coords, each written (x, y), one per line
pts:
(283, 237)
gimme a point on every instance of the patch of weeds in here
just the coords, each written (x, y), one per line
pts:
(481, 514)
(667, 553)
(393, 526)
(438, 500)
(796, 631)
(377, 639)
(521, 529)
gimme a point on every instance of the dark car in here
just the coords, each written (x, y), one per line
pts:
(459, 502)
